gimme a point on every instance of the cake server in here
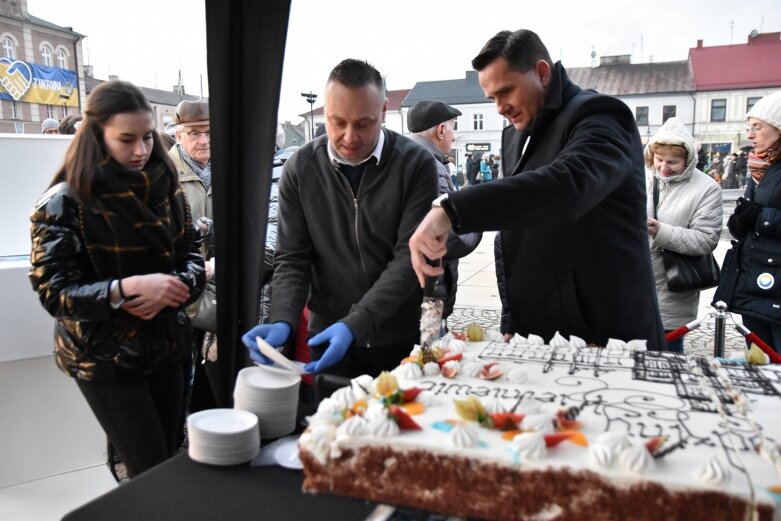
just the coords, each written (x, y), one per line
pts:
(430, 317)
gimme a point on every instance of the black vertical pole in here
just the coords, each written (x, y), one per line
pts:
(245, 46)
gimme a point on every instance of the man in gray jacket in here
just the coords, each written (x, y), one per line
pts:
(348, 204)
(432, 123)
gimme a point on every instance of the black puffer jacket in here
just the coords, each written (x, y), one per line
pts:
(271, 244)
(93, 341)
(751, 277)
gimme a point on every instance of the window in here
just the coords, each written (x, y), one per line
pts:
(64, 111)
(477, 121)
(718, 110)
(50, 111)
(14, 110)
(46, 53)
(62, 59)
(455, 126)
(751, 101)
(641, 116)
(9, 47)
(668, 111)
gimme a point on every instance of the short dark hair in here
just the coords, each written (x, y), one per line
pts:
(357, 73)
(522, 49)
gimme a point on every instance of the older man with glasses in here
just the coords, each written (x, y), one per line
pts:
(191, 155)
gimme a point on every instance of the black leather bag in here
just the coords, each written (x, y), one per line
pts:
(205, 317)
(687, 272)
(690, 273)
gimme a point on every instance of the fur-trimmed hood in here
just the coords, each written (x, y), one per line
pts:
(673, 132)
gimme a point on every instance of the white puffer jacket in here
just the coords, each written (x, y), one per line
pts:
(690, 216)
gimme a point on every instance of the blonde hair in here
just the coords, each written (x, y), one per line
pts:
(664, 148)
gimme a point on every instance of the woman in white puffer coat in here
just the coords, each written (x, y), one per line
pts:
(688, 216)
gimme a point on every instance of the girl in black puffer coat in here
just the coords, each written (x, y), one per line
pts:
(115, 261)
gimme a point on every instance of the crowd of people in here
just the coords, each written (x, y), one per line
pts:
(123, 240)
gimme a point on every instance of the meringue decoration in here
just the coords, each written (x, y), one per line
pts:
(713, 472)
(530, 445)
(636, 459)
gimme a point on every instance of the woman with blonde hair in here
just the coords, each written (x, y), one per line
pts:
(115, 261)
(684, 216)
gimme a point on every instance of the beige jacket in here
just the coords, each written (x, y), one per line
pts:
(198, 197)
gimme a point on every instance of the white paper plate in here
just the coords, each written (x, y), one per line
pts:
(277, 357)
(222, 421)
(286, 455)
(269, 379)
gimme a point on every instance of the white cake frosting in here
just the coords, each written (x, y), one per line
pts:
(530, 445)
(614, 402)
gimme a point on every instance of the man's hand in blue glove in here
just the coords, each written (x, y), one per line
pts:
(340, 338)
(275, 335)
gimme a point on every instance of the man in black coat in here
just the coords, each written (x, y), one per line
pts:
(571, 205)
(470, 171)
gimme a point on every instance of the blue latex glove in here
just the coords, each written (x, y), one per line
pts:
(340, 338)
(275, 335)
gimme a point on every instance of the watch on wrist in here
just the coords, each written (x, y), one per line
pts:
(444, 202)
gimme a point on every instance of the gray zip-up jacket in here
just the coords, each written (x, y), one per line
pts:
(348, 257)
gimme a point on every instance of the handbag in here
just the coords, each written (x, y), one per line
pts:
(690, 272)
(479, 176)
(205, 317)
(687, 272)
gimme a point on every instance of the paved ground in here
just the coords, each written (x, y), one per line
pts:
(699, 341)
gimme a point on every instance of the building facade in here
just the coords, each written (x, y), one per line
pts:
(40, 70)
(728, 80)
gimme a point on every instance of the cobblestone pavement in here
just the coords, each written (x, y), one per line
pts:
(700, 341)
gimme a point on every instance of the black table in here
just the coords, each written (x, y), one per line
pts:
(183, 490)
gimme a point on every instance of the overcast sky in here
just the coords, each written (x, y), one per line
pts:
(149, 41)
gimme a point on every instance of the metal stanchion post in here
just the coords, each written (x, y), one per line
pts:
(720, 328)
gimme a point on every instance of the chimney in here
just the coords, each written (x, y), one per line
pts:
(112, 77)
(699, 44)
(179, 89)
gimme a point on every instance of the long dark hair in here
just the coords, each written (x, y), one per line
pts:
(88, 151)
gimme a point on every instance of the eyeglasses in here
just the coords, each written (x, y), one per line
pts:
(753, 128)
(196, 134)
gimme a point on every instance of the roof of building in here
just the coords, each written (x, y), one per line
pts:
(626, 79)
(44, 23)
(156, 96)
(453, 92)
(614, 76)
(395, 97)
(754, 64)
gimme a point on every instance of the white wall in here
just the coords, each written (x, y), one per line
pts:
(28, 165)
(46, 427)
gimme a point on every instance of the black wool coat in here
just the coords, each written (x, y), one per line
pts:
(572, 215)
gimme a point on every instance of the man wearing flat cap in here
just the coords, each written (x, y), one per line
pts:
(432, 125)
(192, 157)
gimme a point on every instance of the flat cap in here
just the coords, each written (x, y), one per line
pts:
(428, 113)
(194, 112)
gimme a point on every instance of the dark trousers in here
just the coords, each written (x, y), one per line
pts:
(368, 360)
(676, 346)
(141, 417)
(767, 331)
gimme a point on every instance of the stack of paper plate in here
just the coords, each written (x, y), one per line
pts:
(272, 395)
(223, 436)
